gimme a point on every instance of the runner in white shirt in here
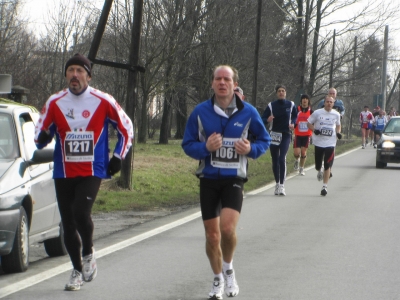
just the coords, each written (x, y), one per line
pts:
(325, 124)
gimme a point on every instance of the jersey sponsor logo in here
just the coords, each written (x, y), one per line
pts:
(86, 114)
(238, 124)
(70, 113)
(79, 136)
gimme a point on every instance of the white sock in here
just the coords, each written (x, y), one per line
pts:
(227, 266)
(325, 185)
(220, 276)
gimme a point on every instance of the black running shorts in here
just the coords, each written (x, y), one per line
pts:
(326, 154)
(301, 141)
(216, 194)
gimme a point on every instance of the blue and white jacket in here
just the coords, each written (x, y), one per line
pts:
(208, 118)
(284, 112)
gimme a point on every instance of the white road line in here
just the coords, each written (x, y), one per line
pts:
(23, 284)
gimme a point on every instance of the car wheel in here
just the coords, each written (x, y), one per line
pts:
(380, 165)
(18, 259)
(56, 246)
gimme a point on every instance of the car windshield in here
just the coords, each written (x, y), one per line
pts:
(393, 126)
(8, 141)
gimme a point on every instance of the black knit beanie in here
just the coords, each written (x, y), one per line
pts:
(79, 60)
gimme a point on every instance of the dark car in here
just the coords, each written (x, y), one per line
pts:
(388, 146)
(28, 205)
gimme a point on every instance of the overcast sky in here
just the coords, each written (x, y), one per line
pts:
(36, 11)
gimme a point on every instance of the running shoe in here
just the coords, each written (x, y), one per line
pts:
(231, 286)
(324, 191)
(89, 269)
(75, 281)
(320, 174)
(276, 192)
(375, 146)
(281, 191)
(296, 164)
(217, 289)
(301, 172)
(363, 147)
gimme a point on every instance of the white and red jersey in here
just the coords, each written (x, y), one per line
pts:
(80, 124)
(365, 118)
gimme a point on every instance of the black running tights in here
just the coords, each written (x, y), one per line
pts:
(75, 197)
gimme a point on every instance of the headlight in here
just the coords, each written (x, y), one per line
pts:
(388, 144)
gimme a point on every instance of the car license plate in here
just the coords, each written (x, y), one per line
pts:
(387, 153)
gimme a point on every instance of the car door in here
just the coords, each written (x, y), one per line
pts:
(42, 191)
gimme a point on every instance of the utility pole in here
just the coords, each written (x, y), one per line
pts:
(384, 67)
(256, 54)
(125, 180)
(332, 60)
(131, 98)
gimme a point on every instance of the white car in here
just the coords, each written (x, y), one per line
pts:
(28, 205)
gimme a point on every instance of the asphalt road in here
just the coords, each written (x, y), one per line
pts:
(302, 246)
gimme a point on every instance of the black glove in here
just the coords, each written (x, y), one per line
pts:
(43, 137)
(114, 166)
(339, 135)
(317, 132)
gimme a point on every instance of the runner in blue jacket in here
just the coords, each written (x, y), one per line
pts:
(217, 135)
(280, 115)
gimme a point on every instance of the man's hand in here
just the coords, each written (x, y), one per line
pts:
(242, 147)
(214, 142)
(44, 137)
(114, 166)
(339, 135)
(317, 131)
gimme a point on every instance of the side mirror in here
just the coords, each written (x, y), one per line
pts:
(41, 156)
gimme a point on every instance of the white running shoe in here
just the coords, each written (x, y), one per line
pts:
(75, 281)
(363, 147)
(231, 286)
(276, 192)
(281, 191)
(217, 289)
(296, 164)
(301, 172)
(320, 174)
(89, 268)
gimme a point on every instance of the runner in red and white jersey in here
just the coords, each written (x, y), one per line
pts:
(78, 117)
(366, 119)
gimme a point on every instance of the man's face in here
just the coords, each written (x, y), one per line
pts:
(281, 93)
(304, 103)
(365, 108)
(329, 103)
(77, 78)
(332, 93)
(222, 83)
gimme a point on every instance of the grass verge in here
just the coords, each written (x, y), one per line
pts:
(163, 177)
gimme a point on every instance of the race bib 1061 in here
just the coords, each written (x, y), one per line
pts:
(226, 156)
